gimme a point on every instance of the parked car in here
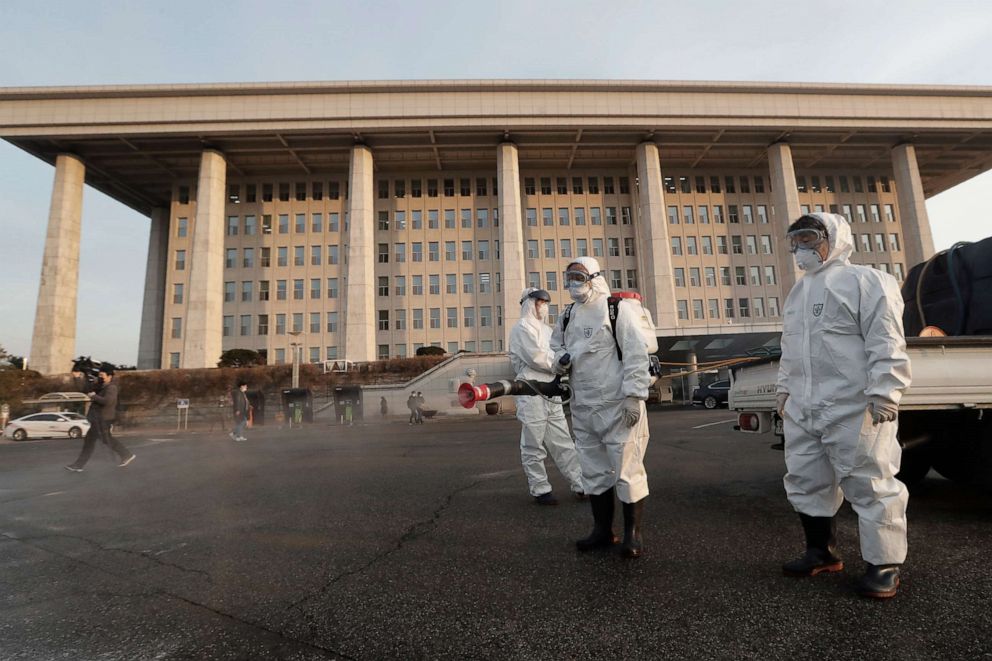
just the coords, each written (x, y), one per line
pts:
(712, 395)
(47, 425)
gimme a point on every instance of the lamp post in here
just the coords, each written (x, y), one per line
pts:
(296, 346)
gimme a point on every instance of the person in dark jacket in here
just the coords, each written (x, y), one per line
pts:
(242, 408)
(101, 415)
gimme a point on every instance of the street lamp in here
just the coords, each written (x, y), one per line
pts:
(296, 348)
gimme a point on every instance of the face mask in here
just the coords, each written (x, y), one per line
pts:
(579, 291)
(807, 259)
(541, 312)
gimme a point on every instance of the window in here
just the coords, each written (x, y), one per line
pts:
(300, 224)
(625, 216)
(862, 218)
(434, 283)
(399, 285)
(315, 288)
(759, 307)
(566, 248)
(245, 324)
(690, 246)
(743, 305)
(631, 279)
(468, 283)
(399, 219)
(766, 244)
(563, 216)
(628, 248)
(177, 293)
(748, 215)
(580, 216)
(229, 292)
(332, 288)
(263, 290)
(177, 328)
(694, 276)
(683, 309)
(534, 279)
(399, 320)
(596, 216)
(265, 257)
(465, 187)
(432, 219)
(679, 277)
(466, 250)
(611, 215)
(740, 277)
(866, 243)
(547, 216)
(893, 243)
(384, 320)
(383, 221)
(246, 291)
(435, 317)
(282, 256)
(551, 280)
(581, 247)
(298, 289)
(483, 249)
(399, 252)
(735, 242)
(529, 186)
(879, 243)
(721, 245)
(450, 254)
(232, 225)
(615, 281)
(333, 254)
(707, 245)
(732, 214)
(482, 218)
(597, 247)
(450, 283)
(227, 326)
(230, 257)
(755, 275)
(174, 357)
(769, 275)
(315, 257)
(417, 286)
(897, 271)
(697, 308)
(593, 185)
(298, 255)
(452, 317)
(280, 290)
(728, 308)
(752, 244)
(418, 318)
(485, 316)
(417, 251)
(713, 305)
(468, 318)
(718, 214)
(875, 218)
(676, 245)
(772, 306)
(710, 273)
(531, 217)
(704, 215)
(433, 251)
(532, 249)
(182, 227)
(687, 215)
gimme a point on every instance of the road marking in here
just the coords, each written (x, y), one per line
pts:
(54, 493)
(710, 424)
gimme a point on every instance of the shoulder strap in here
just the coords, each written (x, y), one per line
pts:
(613, 305)
(565, 316)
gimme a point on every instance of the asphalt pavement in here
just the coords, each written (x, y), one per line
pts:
(386, 541)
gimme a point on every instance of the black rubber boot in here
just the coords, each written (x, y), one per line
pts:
(631, 547)
(819, 556)
(602, 536)
(879, 582)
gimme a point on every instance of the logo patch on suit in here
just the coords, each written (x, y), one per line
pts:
(587, 332)
(817, 309)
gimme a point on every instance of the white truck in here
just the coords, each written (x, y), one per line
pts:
(944, 417)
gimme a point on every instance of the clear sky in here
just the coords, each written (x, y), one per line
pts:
(67, 42)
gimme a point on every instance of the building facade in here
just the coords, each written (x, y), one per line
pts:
(362, 221)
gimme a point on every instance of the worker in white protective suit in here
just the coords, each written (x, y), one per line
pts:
(609, 379)
(545, 430)
(843, 370)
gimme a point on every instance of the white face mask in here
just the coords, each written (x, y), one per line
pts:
(541, 311)
(807, 258)
(580, 291)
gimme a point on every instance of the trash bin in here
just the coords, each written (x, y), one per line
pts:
(297, 405)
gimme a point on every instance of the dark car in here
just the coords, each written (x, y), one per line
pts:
(712, 395)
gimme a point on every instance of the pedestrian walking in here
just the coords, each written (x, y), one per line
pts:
(242, 411)
(101, 414)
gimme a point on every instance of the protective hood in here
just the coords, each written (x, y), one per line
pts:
(599, 286)
(841, 241)
(528, 306)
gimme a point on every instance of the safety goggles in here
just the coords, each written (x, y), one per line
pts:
(580, 277)
(538, 295)
(806, 239)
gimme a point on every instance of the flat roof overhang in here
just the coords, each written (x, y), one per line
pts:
(138, 142)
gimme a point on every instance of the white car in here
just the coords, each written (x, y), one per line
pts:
(47, 425)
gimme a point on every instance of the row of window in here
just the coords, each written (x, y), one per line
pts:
(737, 245)
(702, 184)
(845, 210)
(566, 215)
(576, 185)
(740, 273)
(745, 308)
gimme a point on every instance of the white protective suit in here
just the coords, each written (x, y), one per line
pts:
(843, 342)
(545, 430)
(610, 453)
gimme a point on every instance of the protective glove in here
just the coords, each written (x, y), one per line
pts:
(780, 400)
(882, 410)
(563, 364)
(631, 411)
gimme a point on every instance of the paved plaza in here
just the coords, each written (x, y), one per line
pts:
(386, 541)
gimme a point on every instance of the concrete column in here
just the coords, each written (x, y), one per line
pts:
(359, 318)
(785, 198)
(917, 239)
(204, 311)
(657, 279)
(53, 342)
(153, 308)
(511, 235)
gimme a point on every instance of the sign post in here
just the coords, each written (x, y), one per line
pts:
(182, 410)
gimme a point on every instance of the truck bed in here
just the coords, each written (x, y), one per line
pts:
(948, 373)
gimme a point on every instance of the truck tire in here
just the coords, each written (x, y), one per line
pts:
(915, 466)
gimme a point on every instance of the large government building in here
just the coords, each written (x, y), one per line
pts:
(363, 220)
